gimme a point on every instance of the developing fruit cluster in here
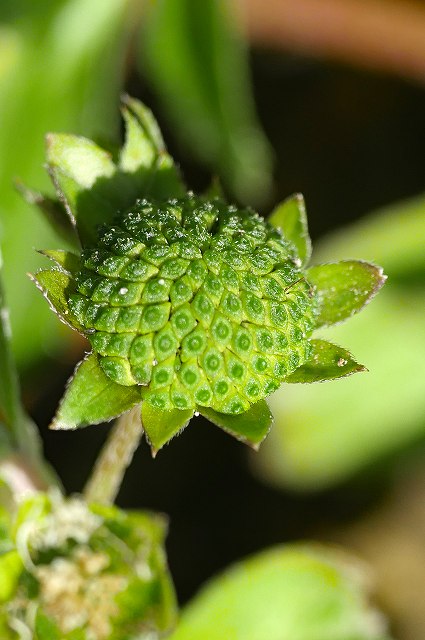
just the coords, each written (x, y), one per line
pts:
(201, 303)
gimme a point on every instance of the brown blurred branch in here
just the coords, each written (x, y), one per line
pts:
(382, 35)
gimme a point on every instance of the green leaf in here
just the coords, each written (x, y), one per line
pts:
(93, 188)
(81, 173)
(79, 158)
(55, 285)
(68, 261)
(344, 288)
(202, 78)
(161, 426)
(91, 397)
(250, 427)
(144, 140)
(308, 449)
(286, 593)
(149, 170)
(327, 362)
(290, 216)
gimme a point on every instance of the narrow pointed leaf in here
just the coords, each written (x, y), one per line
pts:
(92, 188)
(55, 285)
(91, 397)
(161, 426)
(144, 158)
(147, 121)
(250, 427)
(138, 150)
(290, 216)
(344, 288)
(144, 140)
(67, 260)
(327, 362)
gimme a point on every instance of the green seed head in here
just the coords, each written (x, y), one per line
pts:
(201, 303)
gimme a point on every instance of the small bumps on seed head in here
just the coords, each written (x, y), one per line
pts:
(200, 302)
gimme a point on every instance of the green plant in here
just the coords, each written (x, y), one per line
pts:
(190, 306)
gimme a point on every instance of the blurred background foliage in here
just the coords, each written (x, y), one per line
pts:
(344, 117)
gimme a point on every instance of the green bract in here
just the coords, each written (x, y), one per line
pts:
(69, 570)
(190, 304)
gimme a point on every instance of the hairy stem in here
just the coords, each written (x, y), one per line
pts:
(114, 459)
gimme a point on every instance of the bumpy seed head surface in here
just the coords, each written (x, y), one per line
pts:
(200, 302)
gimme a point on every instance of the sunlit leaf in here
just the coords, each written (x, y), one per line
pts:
(290, 216)
(250, 427)
(79, 158)
(91, 397)
(327, 362)
(93, 188)
(138, 149)
(144, 140)
(286, 593)
(55, 285)
(344, 288)
(149, 170)
(161, 426)
(81, 172)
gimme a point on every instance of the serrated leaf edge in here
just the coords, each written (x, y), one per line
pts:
(381, 280)
(55, 425)
(361, 368)
(62, 318)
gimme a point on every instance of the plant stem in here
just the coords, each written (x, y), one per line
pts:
(114, 459)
